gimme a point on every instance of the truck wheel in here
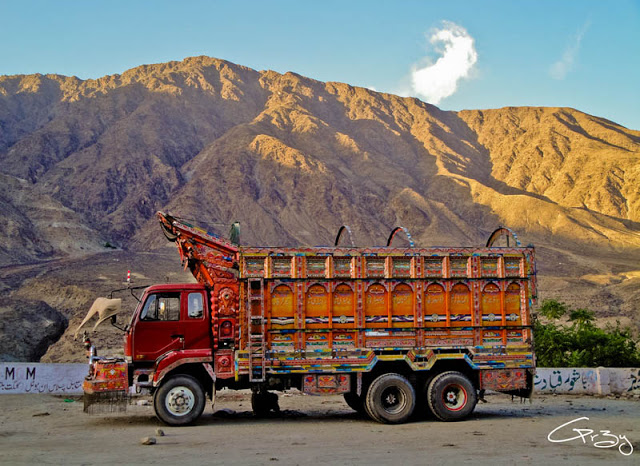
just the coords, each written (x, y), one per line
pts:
(355, 402)
(179, 401)
(390, 399)
(451, 396)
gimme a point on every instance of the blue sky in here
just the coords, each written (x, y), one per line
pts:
(582, 54)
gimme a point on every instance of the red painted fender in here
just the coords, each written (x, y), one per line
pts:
(169, 361)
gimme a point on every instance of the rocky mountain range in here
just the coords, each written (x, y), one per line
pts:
(86, 163)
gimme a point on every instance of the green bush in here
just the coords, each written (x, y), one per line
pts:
(578, 342)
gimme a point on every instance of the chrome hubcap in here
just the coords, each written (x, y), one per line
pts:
(455, 397)
(180, 401)
(393, 400)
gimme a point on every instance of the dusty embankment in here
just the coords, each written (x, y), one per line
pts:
(54, 430)
(43, 303)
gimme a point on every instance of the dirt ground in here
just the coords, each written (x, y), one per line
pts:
(45, 429)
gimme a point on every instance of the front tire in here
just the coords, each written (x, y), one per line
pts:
(179, 401)
(390, 399)
(451, 396)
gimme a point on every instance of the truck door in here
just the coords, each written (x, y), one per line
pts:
(195, 322)
(157, 329)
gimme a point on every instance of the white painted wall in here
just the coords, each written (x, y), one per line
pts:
(27, 377)
(625, 381)
(595, 381)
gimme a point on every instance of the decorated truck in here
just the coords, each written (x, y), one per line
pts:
(397, 331)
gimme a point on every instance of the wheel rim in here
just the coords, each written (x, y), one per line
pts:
(180, 401)
(394, 400)
(454, 397)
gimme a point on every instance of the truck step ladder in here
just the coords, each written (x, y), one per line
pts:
(256, 329)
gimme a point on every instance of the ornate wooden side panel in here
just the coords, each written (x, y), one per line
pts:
(336, 306)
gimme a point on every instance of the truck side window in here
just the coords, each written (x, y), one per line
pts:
(162, 307)
(195, 305)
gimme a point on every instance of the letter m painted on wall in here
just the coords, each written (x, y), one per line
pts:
(9, 372)
(31, 372)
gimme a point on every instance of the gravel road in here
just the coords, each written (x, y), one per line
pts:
(45, 429)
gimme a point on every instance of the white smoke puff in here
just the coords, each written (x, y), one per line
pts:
(440, 79)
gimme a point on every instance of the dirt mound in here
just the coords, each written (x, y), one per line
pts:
(27, 329)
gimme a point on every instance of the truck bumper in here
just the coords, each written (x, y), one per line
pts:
(512, 381)
(106, 388)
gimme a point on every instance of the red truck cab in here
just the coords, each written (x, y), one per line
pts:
(169, 318)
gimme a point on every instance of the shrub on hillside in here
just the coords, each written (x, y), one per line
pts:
(579, 342)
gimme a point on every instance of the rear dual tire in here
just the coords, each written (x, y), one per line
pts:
(390, 399)
(451, 396)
